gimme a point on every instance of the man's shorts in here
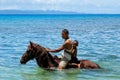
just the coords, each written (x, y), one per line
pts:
(63, 63)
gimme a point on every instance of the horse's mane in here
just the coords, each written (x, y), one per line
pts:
(44, 58)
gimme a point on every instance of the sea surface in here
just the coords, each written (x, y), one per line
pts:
(98, 36)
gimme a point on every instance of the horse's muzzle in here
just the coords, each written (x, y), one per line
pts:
(22, 62)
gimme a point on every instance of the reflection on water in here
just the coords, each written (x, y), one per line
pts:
(41, 74)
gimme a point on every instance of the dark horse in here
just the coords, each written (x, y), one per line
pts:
(46, 60)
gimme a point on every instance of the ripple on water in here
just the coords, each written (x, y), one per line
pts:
(98, 36)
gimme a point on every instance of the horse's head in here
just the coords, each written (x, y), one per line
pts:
(43, 58)
(29, 54)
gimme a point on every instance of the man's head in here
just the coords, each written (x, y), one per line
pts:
(65, 34)
(75, 43)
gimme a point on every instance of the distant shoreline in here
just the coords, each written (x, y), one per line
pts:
(34, 12)
(41, 12)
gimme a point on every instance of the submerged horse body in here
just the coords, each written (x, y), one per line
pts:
(46, 60)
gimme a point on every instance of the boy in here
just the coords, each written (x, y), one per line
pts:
(74, 61)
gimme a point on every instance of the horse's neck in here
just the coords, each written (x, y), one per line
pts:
(39, 53)
(44, 58)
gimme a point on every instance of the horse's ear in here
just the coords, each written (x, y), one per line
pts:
(31, 44)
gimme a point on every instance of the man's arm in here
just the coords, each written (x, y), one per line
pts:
(55, 50)
(59, 49)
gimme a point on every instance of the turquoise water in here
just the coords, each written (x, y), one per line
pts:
(98, 36)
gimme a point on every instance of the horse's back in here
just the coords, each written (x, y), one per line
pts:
(88, 64)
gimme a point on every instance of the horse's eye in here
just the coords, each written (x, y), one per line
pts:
(28, 51)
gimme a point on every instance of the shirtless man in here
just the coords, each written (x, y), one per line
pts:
(67, 47)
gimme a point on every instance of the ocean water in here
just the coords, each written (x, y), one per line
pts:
(98, 36)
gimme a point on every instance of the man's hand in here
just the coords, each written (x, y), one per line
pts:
(47, 49)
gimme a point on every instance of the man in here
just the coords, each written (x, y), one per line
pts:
(67, 47)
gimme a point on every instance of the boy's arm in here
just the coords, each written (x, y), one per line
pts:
(74, 52)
